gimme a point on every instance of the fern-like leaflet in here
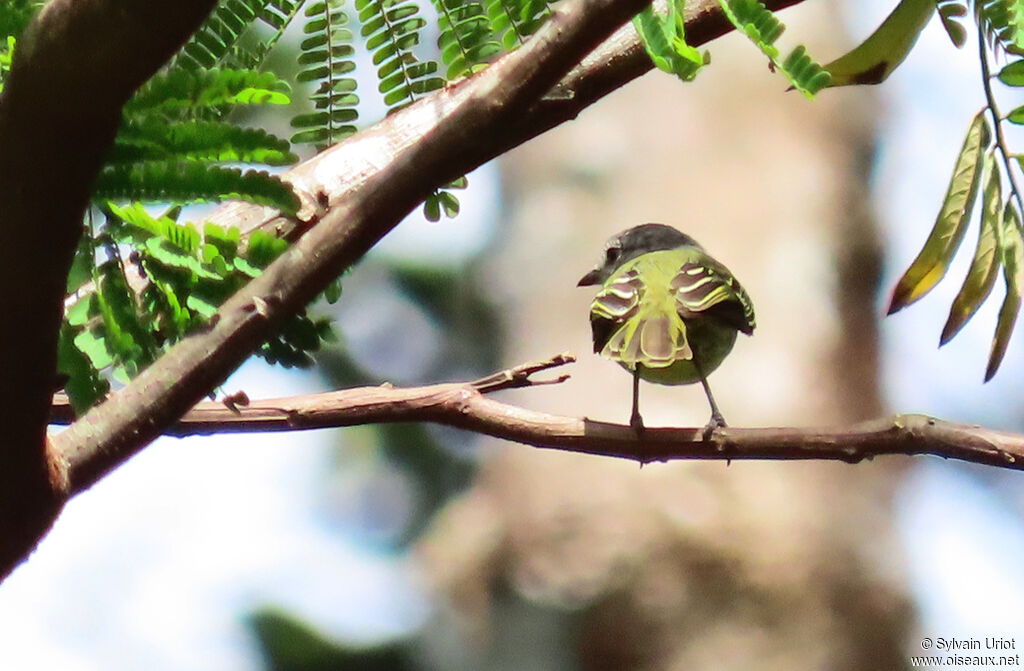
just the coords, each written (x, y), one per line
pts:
(664, 38)
(513, 21)
(218, 42)
(327, 60)
(466, 41)
(759, 24)
(391, 29)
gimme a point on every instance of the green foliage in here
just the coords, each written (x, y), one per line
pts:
(950, 12)
(467, 42)
(981, 278)
(85, 386)
(150, 139)
(513, 21)
(15, 15)
(176, 135)
(183, 94)
(874, 59)
(443, 200)
(985, 158)
(173, 180)
(760, 25)
(932, 262)
(217, 43)
(1012, 253)
(6, 56)
(391, 29)
(1002, 23)
(664, 38)
(327, 60)
(182, 273)
(289, 644)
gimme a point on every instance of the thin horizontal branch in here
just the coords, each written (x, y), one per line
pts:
(465, 406)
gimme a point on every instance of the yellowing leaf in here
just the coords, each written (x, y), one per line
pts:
(933, 260)
(874, 59)
(985, 266)
(1012, 247)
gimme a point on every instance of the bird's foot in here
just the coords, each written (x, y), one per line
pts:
(716, 422)
(636, 422)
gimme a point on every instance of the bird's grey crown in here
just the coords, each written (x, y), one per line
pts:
(645, 238)
(634, 242)
(651, 238)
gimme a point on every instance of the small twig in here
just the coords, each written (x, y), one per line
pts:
(519, 376)
(997, 118)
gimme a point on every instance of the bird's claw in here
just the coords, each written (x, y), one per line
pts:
(716, 422)
(636, 422)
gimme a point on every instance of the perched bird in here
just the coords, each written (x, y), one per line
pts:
(666, 311)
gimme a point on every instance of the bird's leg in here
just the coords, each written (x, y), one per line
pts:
(717, 421)
(635, 420)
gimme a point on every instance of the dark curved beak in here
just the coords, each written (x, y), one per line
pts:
(591, 278)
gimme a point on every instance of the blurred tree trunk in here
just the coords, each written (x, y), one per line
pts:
(692, 565)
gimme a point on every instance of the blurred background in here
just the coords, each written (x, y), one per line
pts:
(417, 547)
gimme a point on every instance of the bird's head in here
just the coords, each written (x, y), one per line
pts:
(630, 244)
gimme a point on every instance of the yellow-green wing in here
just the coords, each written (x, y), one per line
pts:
(705, 289)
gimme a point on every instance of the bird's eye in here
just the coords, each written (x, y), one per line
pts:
(611, 254)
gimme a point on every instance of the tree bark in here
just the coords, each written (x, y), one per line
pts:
(59, 112)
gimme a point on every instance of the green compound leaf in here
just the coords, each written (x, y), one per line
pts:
(327, 58)
(934, 258)
(981, 278)
(85, 386)
(219, 41)
(153, 139)
(179, 90)
(513, 21)
(392, 31)
(1012, 248)
(1002, 22)
(190, 181)
(664, 39)
(804, 72)
(466, 41)
(761, 26)
(443, 199)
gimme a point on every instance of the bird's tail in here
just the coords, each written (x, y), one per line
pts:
(656, 341)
